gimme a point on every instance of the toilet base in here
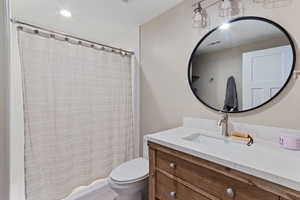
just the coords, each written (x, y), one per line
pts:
(131, 191)
(136, 196)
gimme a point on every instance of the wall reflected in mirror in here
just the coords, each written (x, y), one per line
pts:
(241, 65)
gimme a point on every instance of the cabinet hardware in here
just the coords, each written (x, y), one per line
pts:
(230, 192)
(173, 194)
(172, 165)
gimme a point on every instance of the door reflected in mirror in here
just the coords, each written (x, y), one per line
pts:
(241, 65)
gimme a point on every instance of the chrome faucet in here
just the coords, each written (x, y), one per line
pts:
(223, 123)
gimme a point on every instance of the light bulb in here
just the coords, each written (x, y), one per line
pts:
(197, 17)
(200, 18)
(226, 4)
(225, 8)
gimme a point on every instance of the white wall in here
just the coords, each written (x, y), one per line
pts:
(17, 187)
(123, 36)
(167, 43)
(91, 21)
(85, 24)
(4, 103)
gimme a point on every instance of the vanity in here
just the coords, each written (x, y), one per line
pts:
(232, 69)
(190, 170)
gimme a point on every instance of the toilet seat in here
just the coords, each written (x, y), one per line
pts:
(130, 172)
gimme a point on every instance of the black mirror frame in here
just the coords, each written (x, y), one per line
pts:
(235, 20)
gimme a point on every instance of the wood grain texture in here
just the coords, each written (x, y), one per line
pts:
(152, 173)
(165, 186)
(190, 186)
(211, 180)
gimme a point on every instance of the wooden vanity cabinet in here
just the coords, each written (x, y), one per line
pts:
(178, 176)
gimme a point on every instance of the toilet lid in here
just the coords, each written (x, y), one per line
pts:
(131, 171)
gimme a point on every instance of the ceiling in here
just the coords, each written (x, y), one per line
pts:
(240, 33)
(112, 22)
(132, 13)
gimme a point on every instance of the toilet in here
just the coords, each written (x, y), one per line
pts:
(130, 180)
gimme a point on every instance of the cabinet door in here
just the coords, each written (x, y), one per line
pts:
(193, 178)
(209, 181)
(170, 189)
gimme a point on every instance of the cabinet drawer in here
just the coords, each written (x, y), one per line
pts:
(210, 181)
(169, 189)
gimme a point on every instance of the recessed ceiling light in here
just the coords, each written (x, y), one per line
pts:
(225, 26)
(65, 13)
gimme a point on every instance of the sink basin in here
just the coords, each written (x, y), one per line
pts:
(202, 138)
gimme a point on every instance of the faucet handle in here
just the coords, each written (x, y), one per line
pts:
(224, 119)
(224, 124)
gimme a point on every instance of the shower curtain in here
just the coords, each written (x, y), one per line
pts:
(79, 118)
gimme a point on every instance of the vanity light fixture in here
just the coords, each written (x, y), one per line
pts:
(200, 18)
(273, 3)
(225, 8)
(276, 3)
(65, 13)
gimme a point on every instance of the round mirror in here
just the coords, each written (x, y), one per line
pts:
(241, 65)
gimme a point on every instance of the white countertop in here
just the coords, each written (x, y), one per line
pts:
(264, 161)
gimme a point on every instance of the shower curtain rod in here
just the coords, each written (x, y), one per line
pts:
(80, 40)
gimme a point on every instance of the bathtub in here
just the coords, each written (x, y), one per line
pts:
(99, 190)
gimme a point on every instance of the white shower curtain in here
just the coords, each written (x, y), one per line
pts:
(79, 119)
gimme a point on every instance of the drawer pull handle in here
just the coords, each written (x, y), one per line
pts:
(230, 192)
(172, 165)
(173, 194)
